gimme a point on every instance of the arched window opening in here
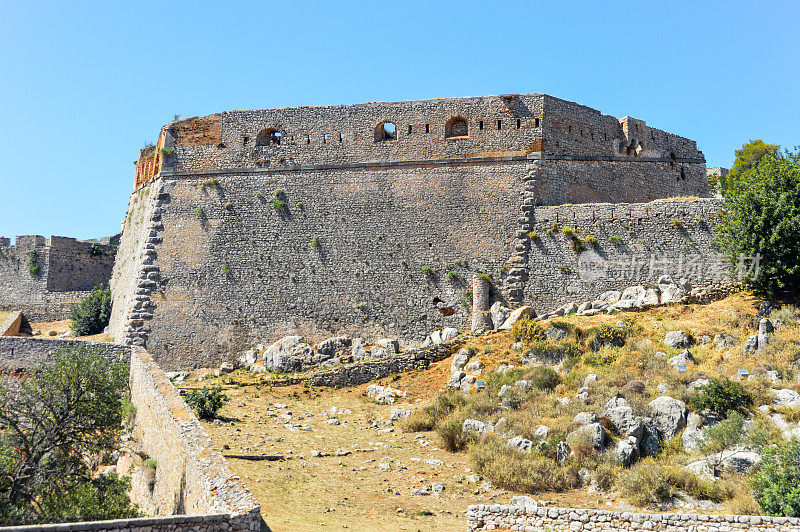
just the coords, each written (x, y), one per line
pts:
(456, 127)
(269, 137)
(386, 131)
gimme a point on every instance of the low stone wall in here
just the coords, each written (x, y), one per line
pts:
(363, 372)
(177, 523)
(506, 517)
(191, 477)
(20, 354)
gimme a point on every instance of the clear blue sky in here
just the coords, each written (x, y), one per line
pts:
(84, 85)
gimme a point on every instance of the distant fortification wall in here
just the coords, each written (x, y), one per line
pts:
(248, 225)
(44, 278)
(636, 244)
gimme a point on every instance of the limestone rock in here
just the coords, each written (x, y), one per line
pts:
(523, 385)
(765, 326)
(685, 357)
(692, 434)
(523, 501)
(466, 383)
(459, 361)
(677, 339)
(247, 358)
(474, 367)
(377, 353)
(333, 347)
(455, 379)
(751, 345)
(288, 354)
(736, 460)
(541, 432)
(520, 443)
(399, 413)
(584, 418)
(500, 314)
(634, 293)
(515, 315)
(594, 433)
(555, 333)
(357, 349)
(612, 296)
(724, 341)
(477, 427)
(448, 333)
(669, 416)
(786, 397)
(626, 451)
(562, 453)
(391, 345)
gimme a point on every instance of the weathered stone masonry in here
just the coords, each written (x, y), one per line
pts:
(67, 270)
(504, 517)
(246, 225)
(194, 490)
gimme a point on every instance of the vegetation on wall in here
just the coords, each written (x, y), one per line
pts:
(32, 261)
(54, 431)
(92, 314)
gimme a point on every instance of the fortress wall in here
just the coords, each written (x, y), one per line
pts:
(192, 477)
(22, 354)
(132, 266)
(234, 272)
(73, 267)
(673, 237)
(67, 271)
(597, 181)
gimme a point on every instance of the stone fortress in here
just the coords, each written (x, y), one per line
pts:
(248, 225)
(44, 277)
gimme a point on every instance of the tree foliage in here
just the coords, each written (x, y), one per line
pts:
(762, 216)
(720, 396)
(55, 427)
(207, 402)
(92, 314)
(776, 486)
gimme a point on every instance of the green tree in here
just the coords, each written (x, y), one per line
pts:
(762, 217)
(54, 429)
(776, 486)
(92, 314)
(207, 402)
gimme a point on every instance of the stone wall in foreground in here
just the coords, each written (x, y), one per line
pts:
(194, 490)
(506, 517)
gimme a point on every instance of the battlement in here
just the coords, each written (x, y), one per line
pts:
(287, 139)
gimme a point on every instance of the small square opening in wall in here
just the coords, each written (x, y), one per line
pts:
(499, 125)
(519, 123)
(308, 139)
(409, 129)
(341, 137)
(427, 128)
(536, 122)
(325, 138)
(244, 140)
(480, 125)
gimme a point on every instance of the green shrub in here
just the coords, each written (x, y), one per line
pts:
(206, 402)
(776, 486)
(606, 475)
(279, 206)
(605, 335)
(315, 244)
(152, 463)
(568, 232)
(427, 418)
(484, 276)
(487, 350)
(278, 193)
(645, 483)
(226, 269)
(209, 183)
(198, 213)
(576, 245)
(32, 260)
(720, 396)
(166, 151)
(453, 438)
(544, 378)
(427, 270)
(511, 469)
(451, 276)
(676, 223)
(528, 331)
(591, 241)
(724, 435)
(614, 239)
(91, 315)
(533, 236)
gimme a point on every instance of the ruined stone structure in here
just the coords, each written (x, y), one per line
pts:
(246, 225)
(44, 277)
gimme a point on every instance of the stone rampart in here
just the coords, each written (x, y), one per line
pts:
(192, 477)
(44, 278)
(633, 244)
(506, 517)
(22, 354)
